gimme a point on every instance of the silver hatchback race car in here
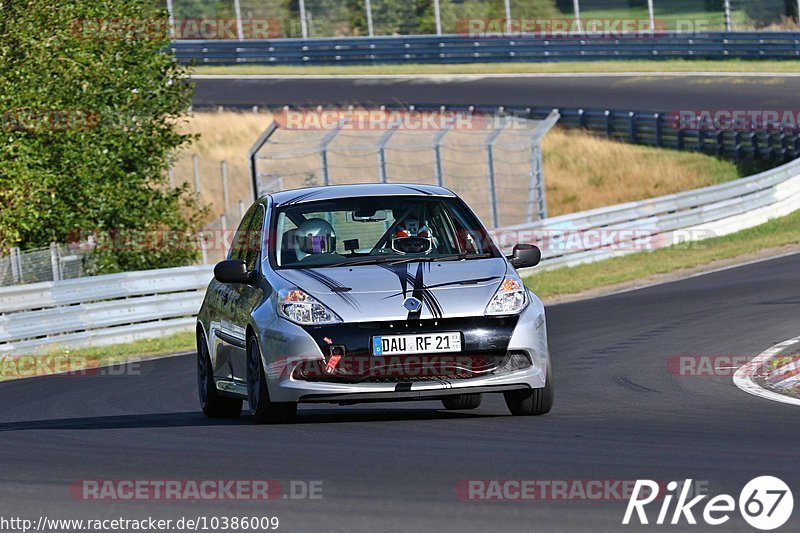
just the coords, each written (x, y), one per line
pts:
(369, 293)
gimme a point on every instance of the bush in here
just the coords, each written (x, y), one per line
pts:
(88, 121)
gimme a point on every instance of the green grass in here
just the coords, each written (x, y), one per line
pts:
(778, 232)
(73, 360)
(677, 66)
(665, 19)
(777, 362)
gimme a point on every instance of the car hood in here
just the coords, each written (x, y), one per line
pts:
(364, 293)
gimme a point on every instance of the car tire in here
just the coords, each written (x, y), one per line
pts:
(213, 404)
(263, 410)
(532, 401)
(461, 402)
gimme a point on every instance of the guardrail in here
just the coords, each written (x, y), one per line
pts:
(663, 221)
(100, 310)
(491, 49)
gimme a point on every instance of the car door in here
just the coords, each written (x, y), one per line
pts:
(246, 296)
(229, 339)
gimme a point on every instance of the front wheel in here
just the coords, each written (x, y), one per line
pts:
(532, 401)
(213, 405)
(263, 410)
(461, 402)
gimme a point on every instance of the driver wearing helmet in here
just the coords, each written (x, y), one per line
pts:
(314, 236)
(412, 238)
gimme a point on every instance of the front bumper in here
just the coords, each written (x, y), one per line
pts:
(488, 347)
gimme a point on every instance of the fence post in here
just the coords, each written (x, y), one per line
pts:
(609, 124)
(237, 8)
(576, 6)
(171, 19)
(490, 175)
(727, 6)
(202, 242)
(368, 8)
(196, 170)
(659, 126)
(437, 15)
(437, 154)
(16, 265)
(508, 16)
(54, 261)
(537, 185)
(223, 168)
(737, 144)
(383, 174)
(323, 151)
(634, 117)
(303, 22)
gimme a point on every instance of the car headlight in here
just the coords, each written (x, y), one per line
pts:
(511, 298)
(301, 308)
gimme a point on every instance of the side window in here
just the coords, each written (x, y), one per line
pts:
(240, 238)
(252, 249)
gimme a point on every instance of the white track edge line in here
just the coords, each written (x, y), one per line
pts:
(473, 76)
(743, 377)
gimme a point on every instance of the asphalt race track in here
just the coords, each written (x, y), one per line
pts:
(619, 415)
(644, 92)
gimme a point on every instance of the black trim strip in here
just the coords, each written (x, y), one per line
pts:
(334, 286)
(359, 397)
(230, 339)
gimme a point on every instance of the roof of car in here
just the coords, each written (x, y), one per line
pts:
(332, 192)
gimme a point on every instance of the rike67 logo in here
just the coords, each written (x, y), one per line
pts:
(765, 503)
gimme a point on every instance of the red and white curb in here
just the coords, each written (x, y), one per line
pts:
(743, 378)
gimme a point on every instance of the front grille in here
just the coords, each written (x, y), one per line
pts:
(405, 368)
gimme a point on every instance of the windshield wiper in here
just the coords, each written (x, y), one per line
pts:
(460, 257)
(376, 261)
(421, 259)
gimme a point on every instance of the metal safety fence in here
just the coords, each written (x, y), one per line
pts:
(491, 49)
(249, 19)
(492, 161)
(101, 310)
(56, 262)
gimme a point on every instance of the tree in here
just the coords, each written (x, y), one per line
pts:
(89, 108)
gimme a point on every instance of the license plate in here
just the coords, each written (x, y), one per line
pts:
(416, 343)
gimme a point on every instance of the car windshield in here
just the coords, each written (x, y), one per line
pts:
(377, 230)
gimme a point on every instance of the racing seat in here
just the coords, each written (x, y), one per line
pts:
(287, 251)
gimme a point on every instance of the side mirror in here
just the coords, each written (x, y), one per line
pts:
(232, 271)
(525, 255)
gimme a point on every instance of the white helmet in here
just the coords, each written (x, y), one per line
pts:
(412, 236)
(314, 236)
